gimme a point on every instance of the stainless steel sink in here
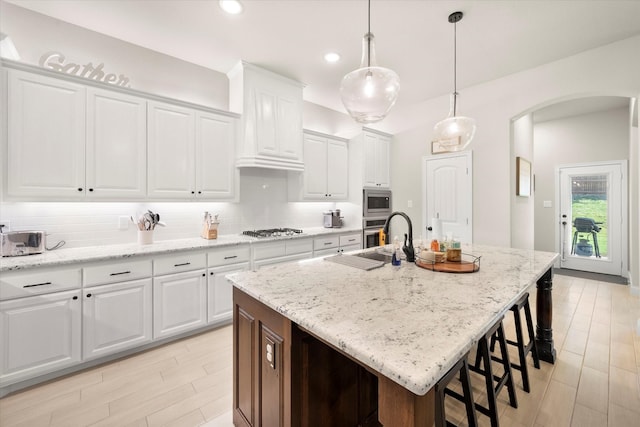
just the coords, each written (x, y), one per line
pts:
(375, 255)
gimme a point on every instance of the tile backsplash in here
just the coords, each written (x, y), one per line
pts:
(263, 204)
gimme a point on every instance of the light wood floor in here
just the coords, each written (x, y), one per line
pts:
(595, 381)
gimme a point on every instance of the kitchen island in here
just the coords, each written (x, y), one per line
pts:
(318, 343)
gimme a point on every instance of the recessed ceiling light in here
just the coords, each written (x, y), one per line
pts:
(331, 57)
(233, 7)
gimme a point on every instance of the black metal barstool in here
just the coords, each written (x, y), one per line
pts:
(493, 382)
(523, 349)
(461, 367)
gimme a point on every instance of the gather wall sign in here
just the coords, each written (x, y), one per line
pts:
(57, 61)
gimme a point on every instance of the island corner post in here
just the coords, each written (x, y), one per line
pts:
(544, 317)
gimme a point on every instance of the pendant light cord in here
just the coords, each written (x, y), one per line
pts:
(455, 68)
(369, 36)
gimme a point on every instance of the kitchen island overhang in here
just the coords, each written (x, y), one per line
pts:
(406, 324)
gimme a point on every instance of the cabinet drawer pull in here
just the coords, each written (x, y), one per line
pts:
(120, 273)
(37, 284)
(352, 240)
(182, 265)
(231, 257)
(328, 243)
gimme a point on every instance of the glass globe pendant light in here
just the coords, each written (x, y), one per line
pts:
(369, 92)
(455, 132)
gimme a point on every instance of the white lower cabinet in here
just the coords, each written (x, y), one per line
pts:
(116, 317)
(39, 334)
(333, 245)
(179, 303)
(270, 253)
(220, 292)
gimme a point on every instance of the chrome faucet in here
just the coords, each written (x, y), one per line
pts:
(408, 240)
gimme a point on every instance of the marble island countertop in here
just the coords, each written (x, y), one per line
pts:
(120, 251)
(407, 323)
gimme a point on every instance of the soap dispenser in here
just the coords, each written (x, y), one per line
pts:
(395, 257)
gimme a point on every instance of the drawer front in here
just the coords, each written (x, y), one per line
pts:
(326, 252)
(24, 284)
(179, 262)
(269, 250)
(351, 239)
(116, 272)
(229, 255)
(299, 246)
(325, 243)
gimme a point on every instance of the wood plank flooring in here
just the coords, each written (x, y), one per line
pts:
(187, 383)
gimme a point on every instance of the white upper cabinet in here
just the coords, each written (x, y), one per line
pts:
(171, 145)
(72, 141)
(216, 174)
(325, 176)
(315, 172)
(116, 145)
(190, 153)
(337, 169)
(271, 108)
(46, 132)
(376, 160)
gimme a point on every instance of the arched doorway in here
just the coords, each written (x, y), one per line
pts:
(578, 132)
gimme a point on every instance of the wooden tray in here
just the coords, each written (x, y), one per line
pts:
(468, 264)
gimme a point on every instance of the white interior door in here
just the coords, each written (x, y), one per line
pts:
(448, 195)
(592, 198)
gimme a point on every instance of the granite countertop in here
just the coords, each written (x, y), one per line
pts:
(408, 323)
(115, 252)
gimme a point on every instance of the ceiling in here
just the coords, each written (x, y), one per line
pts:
(414, 37)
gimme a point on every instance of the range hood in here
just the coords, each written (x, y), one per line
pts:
(270, 134)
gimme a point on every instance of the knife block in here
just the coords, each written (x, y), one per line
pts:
(210, 233)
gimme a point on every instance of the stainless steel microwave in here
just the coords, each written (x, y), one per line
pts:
(376, 203)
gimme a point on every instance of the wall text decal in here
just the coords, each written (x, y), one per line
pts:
(56, 61)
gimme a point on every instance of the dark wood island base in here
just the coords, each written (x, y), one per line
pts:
(284, 376)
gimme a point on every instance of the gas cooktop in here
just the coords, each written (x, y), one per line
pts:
(272, 232)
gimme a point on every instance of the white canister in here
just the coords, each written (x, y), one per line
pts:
(145, 237)
(436, 228)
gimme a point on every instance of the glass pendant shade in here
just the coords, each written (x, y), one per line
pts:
(455, 132)
(369, 92)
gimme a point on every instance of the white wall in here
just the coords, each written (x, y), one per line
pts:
(34, 34)
(579, 139)
(634, 203)
(609, 70)
(522, 214)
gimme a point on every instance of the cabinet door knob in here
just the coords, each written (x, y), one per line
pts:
(211, 273)
(203, 274)
(75, 298)
(91, 189)
(193, 192)
(79, 188)
(199, 192)
(88, 295)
